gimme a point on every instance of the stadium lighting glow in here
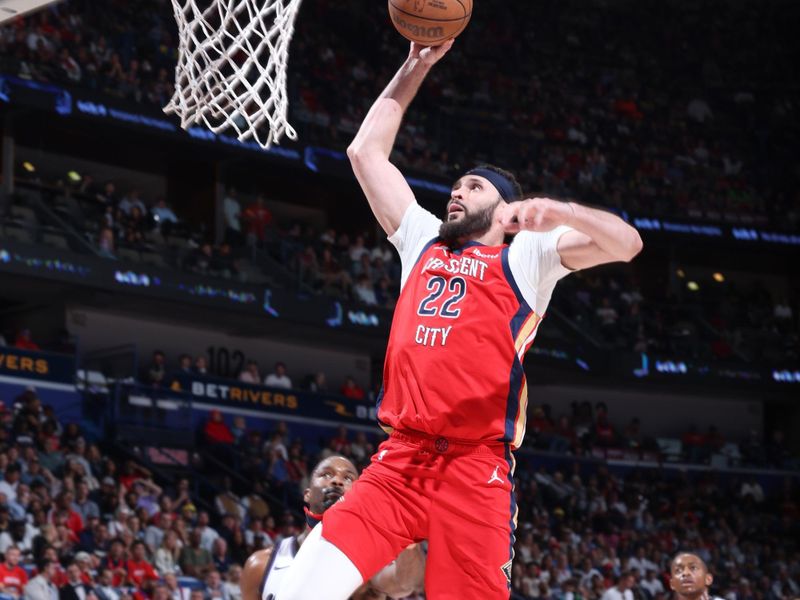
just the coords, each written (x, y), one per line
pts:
(74, 176)
(719, 277)
(692, 285)
(680, 273)
(29, 167)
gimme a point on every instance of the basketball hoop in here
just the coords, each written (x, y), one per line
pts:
(231, 71)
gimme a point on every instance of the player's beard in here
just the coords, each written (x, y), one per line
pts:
(471, 225)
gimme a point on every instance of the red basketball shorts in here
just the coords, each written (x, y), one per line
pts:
(459, 497)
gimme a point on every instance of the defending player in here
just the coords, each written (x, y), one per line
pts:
(454, 395)
(330, 480)
(689, 577)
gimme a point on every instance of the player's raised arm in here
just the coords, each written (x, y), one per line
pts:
(387, 191)
(598, 237)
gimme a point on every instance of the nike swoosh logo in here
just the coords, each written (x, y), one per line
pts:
(277, 568)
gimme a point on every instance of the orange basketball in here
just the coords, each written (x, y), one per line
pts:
(430, 22)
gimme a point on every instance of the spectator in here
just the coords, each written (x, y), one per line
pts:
(201, 365)
(232, 582)
(317, 383)
(652, 584)
(164, 216)
(167, 556)
(13, 578)
(233, 225)
(174, 591)
(156, 371)
(140, 572)
(365, 291)
(24, 341)
(278, 379)
(10, 482)
(75, 588)
(131, 201)
(219, 552)
(250, 373)
(215, 590)
(207, 533)
(104, 590)
(351, 389)
(41, 587)
(216, 431)
(83, 505)
(622, 589)
(194, 560)
(184, 365)
(106, 243)
(753, 490)
(257, 218)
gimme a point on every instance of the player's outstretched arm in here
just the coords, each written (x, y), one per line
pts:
(404, 576)
(598, 237)
(386, 189)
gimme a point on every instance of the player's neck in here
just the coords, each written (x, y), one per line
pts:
(490, 238)
(302, 537)
(699, 595)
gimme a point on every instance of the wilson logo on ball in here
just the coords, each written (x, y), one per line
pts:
(432, 33)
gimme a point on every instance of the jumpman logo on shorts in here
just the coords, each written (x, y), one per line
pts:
(494, 476)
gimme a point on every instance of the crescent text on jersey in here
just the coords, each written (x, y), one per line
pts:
(460, 265)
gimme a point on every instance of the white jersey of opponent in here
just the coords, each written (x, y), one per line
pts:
(279, 563)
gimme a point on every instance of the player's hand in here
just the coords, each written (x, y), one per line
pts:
(534, 214)
(429, 55)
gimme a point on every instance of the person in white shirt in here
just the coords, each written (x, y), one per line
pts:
(652, 584)
(640, 563)
(622, 589)
(279, 378)
(208, 534)
(41, 587)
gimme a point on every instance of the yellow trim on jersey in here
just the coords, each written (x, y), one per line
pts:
(519, 424)
(516, 506)
(526, 330)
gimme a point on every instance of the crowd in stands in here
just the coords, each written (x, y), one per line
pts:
(718, 320)
(589, 431)
(158, 373)
(77, 519)
(623, 120)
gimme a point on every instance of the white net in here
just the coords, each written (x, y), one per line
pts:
(231, 72)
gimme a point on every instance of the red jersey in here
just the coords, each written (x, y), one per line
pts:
(13, 579)
(139, 572)
(464, 320)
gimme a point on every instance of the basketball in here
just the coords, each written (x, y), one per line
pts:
(430, 22)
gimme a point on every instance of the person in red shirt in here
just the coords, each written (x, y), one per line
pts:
(12, 577)
(116, 562)
(258, 217)
(351, 389)
(63, 514)
(216, 430)
(140, 572)
(24, 341)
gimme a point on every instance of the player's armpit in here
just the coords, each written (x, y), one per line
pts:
(578, 251)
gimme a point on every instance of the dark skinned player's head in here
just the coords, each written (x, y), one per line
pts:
(330, 480)
(689, 576)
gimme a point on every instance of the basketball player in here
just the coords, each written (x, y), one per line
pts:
(689, 577)
(331, 479)
(454, 396)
